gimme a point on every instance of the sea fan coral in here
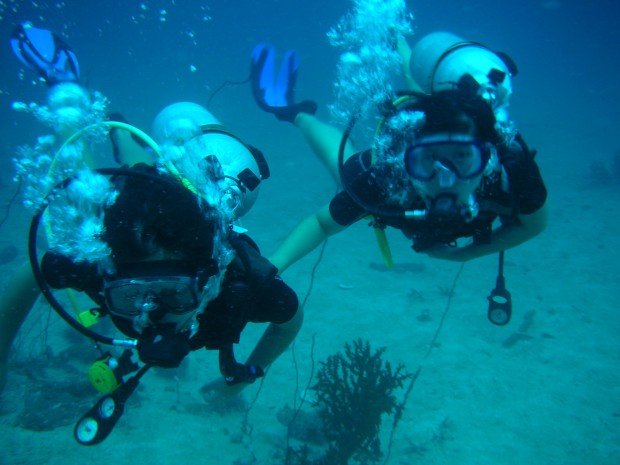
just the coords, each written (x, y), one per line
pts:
(354, 390)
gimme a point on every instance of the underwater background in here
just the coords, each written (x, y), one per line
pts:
(544, 389)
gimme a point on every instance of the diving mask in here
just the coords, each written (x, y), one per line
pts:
(446, 156)
(446, 170)
(148, 299)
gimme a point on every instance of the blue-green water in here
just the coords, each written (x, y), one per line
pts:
(541, 392)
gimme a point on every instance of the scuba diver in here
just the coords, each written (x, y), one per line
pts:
(158, 248)
(445, 167)
(178, 278)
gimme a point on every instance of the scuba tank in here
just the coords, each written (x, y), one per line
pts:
(242, 166)
(440, 59)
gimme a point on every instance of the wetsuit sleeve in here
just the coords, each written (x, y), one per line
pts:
(251, 292)
(225, 317)
(273, 301)
(360, 178)
(527, 188)
(240, 303)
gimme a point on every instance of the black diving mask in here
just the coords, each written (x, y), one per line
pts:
(446, 169)
(130, 297)
(157, 293)
(464, 156)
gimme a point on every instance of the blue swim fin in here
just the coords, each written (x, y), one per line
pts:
(45, 53)
(277, 95)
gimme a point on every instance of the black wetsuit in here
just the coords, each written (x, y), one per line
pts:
(251, 292)
(527, 193)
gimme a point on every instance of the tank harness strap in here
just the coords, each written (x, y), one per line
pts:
(448, 51)
(257, 268)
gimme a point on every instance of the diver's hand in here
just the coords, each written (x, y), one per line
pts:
(235, 372)
(162, 351)
(222, 389)
(241, 373)
(277, 95)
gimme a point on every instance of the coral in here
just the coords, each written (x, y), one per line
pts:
(353, 390)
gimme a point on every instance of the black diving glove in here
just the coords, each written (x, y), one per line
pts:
(166, 351)
(277, 95)
(243, 374)
(235, 372)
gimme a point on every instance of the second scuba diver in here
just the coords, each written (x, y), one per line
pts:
(445, 164)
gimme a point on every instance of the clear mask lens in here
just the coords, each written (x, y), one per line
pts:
(172, 296)
(466, 159)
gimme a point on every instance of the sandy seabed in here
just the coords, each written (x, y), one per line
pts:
(542, 390)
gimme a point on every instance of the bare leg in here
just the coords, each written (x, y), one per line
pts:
(404, 51)
(324, 140)
(130, 152)
(17, 300)
(275, 340)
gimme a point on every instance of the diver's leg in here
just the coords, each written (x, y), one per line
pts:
(404, 50)
(128, 151)
(18, 298)
(324, 140)
(275, 340)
